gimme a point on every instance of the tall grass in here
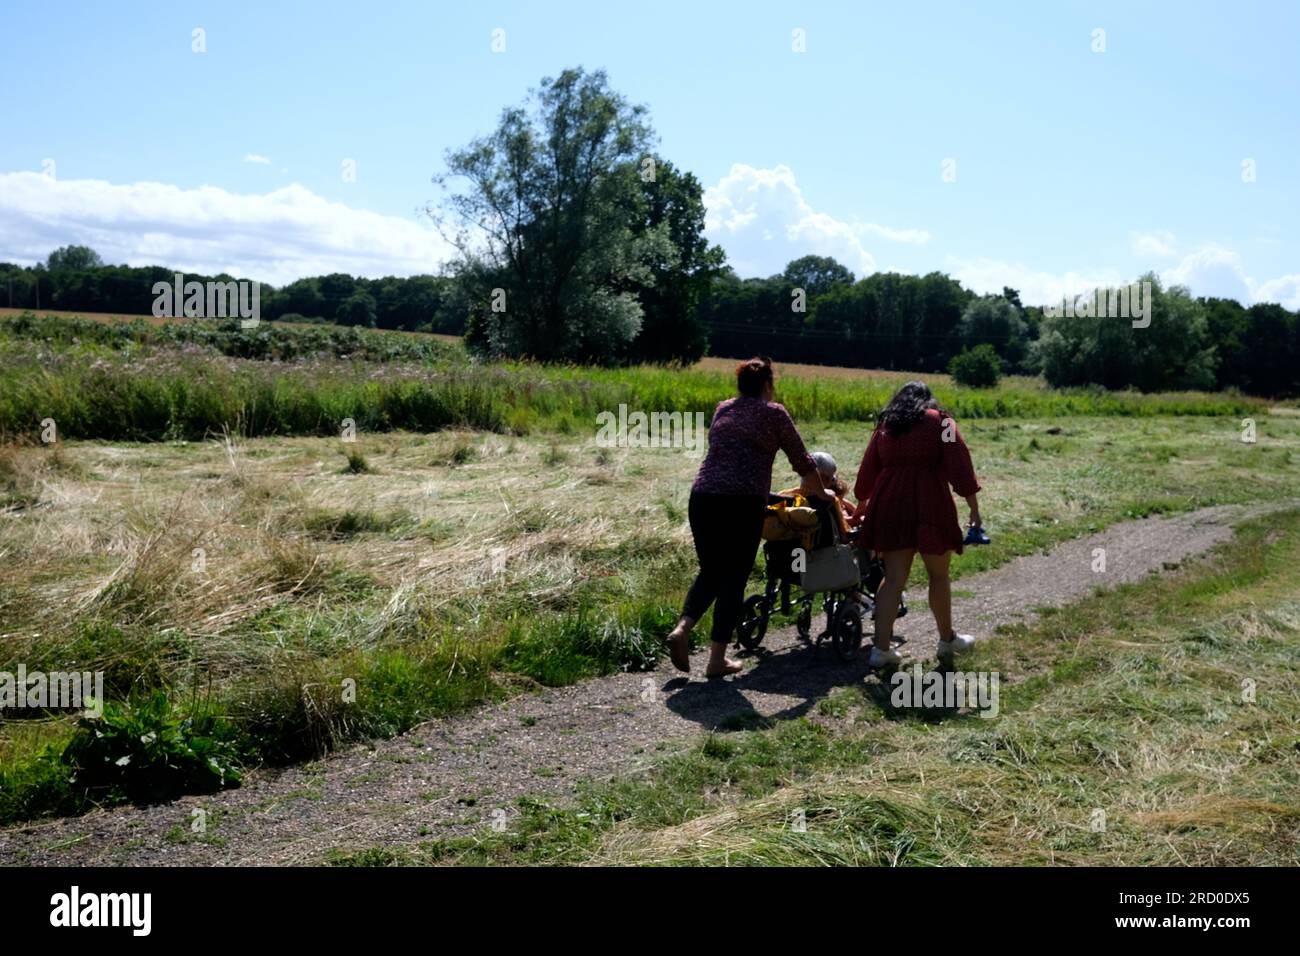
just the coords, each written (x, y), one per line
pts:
(302, 709)
(188, 381)
(196, 398)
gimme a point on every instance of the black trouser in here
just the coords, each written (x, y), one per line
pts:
(727, 529)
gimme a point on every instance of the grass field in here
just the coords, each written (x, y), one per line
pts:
(440, 570)
(1127, 738)
(122, 318)
(229, 579)
(190, 380)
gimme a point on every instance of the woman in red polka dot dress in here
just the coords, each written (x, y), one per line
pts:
(904, 506)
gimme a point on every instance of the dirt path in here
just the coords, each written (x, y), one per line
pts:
(449, 776)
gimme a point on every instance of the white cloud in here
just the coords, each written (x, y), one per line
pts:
(759, 216)
(761, 219)
(1154, 244)
(1211, 270)
(1035, 287)
(255, 158)
(1284, 290)
(1215, 270)
(274, 237)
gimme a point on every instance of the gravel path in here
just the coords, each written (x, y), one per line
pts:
(456, 775)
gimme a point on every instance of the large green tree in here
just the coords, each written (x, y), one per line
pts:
(681, 269)
(1269, 342)
(816, 275)
(73, 259)
(1173, 352)
(550, 258)
(357, 309)
(994, 320)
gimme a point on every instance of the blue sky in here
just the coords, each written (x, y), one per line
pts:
(1073, 164)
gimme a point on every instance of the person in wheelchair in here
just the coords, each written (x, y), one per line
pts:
(806, 522)
(872, 568)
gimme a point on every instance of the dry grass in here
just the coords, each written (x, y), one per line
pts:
(717, 363)
(247, 568)
(711, 363)
(203, 538)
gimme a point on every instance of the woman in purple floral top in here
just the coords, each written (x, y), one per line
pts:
(727, 506)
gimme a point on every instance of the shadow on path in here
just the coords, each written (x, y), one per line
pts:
(795, 677)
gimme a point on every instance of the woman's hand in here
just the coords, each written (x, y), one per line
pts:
(819, 489)
(974, 504)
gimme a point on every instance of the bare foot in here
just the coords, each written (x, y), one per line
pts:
(728, 666)
(679, 649)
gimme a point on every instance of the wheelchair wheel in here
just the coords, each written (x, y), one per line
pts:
(803, 623)
(753, 622)
(846, 635)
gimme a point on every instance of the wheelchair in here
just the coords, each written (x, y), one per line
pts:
(844, 614)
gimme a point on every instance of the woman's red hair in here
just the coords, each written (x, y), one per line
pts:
(751, 376)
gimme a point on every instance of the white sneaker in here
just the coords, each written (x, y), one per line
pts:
(960, 644)
(879, 658)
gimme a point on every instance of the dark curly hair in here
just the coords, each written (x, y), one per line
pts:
(751, 376)
(906, 408)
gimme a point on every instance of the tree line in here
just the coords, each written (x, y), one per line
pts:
(921, 323)
(815, 312)
(75, 279)
(577, 242)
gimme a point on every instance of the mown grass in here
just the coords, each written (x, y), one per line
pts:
(259, 580)
(1046, 481)
(453, 568)
(1158, 724)
(315, 616)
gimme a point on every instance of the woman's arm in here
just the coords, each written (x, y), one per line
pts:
(955, 463)
(819, 487)
(800, 460)
(843, 513)
(958, 469)
(867, 471)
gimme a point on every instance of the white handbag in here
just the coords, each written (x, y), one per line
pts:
(831, 569)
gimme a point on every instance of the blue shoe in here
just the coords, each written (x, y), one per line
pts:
(975, 535)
